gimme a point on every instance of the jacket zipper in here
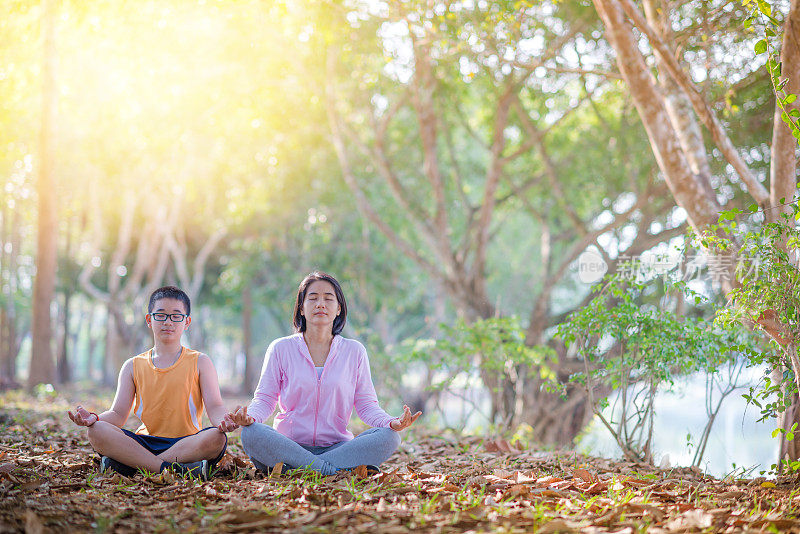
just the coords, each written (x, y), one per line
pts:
(316, 408)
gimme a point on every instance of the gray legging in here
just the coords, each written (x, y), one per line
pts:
(266, 447)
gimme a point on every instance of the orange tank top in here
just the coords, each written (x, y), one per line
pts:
(168, 401)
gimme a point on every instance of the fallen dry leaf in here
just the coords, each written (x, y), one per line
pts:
(584, 475)
(556, 526)
(691, 519)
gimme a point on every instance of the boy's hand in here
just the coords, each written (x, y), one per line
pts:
(405, 420)
(240, 417)
(82, 417)
(227, 424)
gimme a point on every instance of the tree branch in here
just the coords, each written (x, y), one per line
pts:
(700, 106)
(686, 189)
(362, 202)
(493, 174)
(422, 89)
(550, 171)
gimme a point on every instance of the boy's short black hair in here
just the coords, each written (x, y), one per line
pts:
(300, 321)
(170, 292)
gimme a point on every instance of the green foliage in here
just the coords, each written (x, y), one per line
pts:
(499, 341)
(494, 346)
(767, 296)
(637, 349)
(760, 16)
(768, 276)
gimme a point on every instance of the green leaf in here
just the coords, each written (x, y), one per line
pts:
(790, 98)
(753, 207)
(761, 46)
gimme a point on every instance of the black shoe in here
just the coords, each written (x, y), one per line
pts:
(197, 470)
(109, 464)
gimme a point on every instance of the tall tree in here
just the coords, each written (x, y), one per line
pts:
(42, 364)
(783, 179)
(10, 242)
(669, 131)
(127, 280)
(461, 132)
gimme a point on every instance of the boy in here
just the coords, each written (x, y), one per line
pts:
(170, 385)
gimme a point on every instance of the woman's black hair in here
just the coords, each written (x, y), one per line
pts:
(300, 320)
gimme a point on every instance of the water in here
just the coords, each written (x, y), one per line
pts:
(737, 440)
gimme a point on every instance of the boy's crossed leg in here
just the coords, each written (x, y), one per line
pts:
(150, 452)
(208, 444)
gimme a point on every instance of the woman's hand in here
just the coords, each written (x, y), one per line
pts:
(82, 417)
(240, 417)
(227, 424)
(405, 420)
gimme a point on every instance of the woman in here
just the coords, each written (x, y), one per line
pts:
(316, 377)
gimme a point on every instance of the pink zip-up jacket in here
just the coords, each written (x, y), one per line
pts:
(311, 410)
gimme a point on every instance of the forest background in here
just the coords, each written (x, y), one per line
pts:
(459, 166)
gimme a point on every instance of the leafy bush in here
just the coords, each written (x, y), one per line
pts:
(636, 349)
(767, 298)
(493, 349)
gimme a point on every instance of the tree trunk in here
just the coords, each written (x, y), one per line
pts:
(5, 283)
(110, 355)
(783, 152)
(783, 161)
(95, 364)
(191, 279)
(145, 275)
(250, 364)
(788, 450)
(677, 104)
(557, 420)
(63, 368)
(120, 341)
(686, 187)
(783, 177)
(42, 368)
(9, 337)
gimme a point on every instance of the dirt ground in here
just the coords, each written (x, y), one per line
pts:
(49, 482)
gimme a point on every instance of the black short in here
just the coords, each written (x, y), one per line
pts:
(159, 444)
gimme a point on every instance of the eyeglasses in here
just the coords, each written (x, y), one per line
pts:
(174, 317)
